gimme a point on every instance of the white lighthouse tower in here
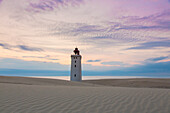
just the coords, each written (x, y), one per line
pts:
(75, 66)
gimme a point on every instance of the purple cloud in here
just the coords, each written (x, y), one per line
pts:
(157, 16)
(153, 22)
(5, 46)
(88, 28)
(22, 47)
(151, 45)
(27, 48)
(138, 27)
(49, 5)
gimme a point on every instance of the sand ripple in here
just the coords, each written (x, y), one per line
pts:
(18, 98)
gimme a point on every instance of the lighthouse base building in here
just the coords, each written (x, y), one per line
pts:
(76, 66)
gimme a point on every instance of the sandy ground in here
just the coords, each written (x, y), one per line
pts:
(35, 95)
(137, 82)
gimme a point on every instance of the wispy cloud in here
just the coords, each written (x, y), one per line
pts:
(157, 58)
(141, 27)
(157, 21)
(21, 47)
(48, 57)
(27, 48)
(93, 60)
(9, 63)
(114, 63)
(5, 46)
(88, 28)
(151, 45)
(49, 5)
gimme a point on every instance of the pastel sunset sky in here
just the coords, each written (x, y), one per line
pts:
(110, 34)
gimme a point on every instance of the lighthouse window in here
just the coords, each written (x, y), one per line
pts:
(75, 65)
(74, 75)
(75, 61)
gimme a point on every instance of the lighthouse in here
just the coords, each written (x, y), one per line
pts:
(75, 66)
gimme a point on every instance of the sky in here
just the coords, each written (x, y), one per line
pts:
(115, 37)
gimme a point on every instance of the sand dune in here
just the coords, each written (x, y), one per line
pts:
(137, 82)
(40, 81)
(69, 97)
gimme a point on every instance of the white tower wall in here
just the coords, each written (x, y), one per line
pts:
(75, 68)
